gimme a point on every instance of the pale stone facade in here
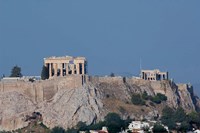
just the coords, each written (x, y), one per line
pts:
(154, 75)
(62, 66)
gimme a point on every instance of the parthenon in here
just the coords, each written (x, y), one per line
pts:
(62, 66)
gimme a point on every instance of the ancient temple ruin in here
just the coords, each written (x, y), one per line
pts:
(62, 66)
(154, 75)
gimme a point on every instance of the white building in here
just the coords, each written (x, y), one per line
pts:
(138, 126)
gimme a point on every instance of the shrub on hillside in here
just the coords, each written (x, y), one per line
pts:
(58, 130)
(170, 117)
(185, 126)
(158, 98)
(145, 96)
(162, 97)
(81, 126)
(158, 128)
(194, 118)
(137, 99)
(113, 122)
(72, 130)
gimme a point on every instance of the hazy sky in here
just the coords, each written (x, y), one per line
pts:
(113, 34)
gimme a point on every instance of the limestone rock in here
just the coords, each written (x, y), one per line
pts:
(69, 106)
(66, 101)
(13, 109)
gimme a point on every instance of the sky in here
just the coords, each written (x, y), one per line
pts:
(114, 36)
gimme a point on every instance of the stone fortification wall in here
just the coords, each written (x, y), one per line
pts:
(96, 80)
(39, 91)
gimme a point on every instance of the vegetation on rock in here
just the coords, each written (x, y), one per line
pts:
(58, 130)
(138, 99)
(158, 98)
(158, 128)
(179, 120)
(112, 121)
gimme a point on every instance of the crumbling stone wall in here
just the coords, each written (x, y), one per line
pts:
(39, 91)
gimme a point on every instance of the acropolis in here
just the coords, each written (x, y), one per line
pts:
(66, 65)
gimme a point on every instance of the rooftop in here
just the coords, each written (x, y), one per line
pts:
(65, 57)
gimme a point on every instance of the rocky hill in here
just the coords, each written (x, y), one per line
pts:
(65, 101)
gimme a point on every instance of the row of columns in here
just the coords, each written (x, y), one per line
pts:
(64, 66)
(156, 77)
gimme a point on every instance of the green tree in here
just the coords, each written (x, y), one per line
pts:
(44, 73)
(16, 72)
(112, 75)
(97, 126)
(167, 112)
(145, 95)
(113, 122)
(168, 117)
(158, 98)
(72, 130)
(126, 123)
(180, 115)
(194, 118)
(81, 126)
(58, 130)
(158, 128)
(162, 97)
(185, 126)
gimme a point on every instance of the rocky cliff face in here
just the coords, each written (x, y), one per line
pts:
(66, 101)
(70, 106)
(14, 107)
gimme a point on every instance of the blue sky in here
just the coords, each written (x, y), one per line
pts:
(114, 35)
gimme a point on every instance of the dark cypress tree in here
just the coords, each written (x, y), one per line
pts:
(44, 73)
(16, 72)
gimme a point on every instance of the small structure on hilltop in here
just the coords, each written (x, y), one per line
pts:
(154, 75)
(62, 66)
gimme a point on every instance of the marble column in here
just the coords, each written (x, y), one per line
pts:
(73, 69)
(61, 69)
(67, 69)
(50, 70)
(55, 69)
(77, 69)
(83, 68)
